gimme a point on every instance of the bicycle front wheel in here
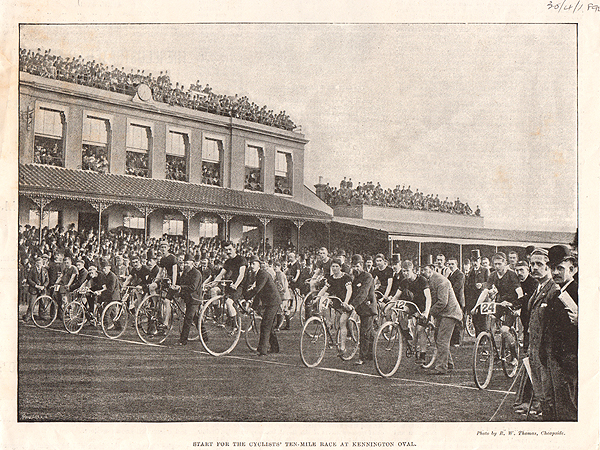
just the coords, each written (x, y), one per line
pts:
(483, 360)
(510, 359)
(74, 317)
(387, 349)
(252, 332)
(114, 320)
(44, 311)
(154, 319)
(352, 341)
(220, 332)
(313, 342)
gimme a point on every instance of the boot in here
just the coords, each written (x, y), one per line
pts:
(287, 323)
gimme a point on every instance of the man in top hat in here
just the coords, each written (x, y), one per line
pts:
(473, 286)
(262, 287)
(190, 289)
(447, 313)
(363, 301)
(559, 338)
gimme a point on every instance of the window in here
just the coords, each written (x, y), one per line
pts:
(283, 173)
(173, 227)
(138, 147)
(209, 228)
(211, 162)
(49, 219)
(254, 159)
(48, 141)
(176, 166)
(138, 223)
(94, 152)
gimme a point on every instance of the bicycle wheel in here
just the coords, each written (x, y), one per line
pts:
(44, 311)
(351, 340)
(115, 318)
(483, 360)
(252, 331)
(469, 326)
(74, 317)
(313, 342)
(431, 350)
(510, 360)
(306, 307)
(220, 333)
(154, 319)
(387, 349)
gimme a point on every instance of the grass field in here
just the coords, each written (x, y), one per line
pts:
(88, 377)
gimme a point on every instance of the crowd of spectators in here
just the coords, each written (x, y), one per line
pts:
(94, 159)
(399, 197)
(281, 187)
(101, 76)
(137, 164)
(252, 182)
(211, 174)
(176, 169)
(47, 152)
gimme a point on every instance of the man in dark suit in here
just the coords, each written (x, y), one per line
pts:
(363, 301)
(559, 337)
(457, 279)
(262, 287)
(190, 290)
(37, 280)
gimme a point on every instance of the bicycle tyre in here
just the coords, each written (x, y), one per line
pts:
(352, 340)
(313, 342)
(469, 326)
(149, 323)
(510, 369)
(304, 313)
(388, 349)
(44, 311)
(219, 337)
(252, 332)
(483, 360)
(431, 350)
(74, 317)
(114, 319)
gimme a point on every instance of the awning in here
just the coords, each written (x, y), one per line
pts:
(60, 183)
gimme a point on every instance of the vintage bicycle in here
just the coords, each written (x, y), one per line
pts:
(398, 335)
(493, 345)
(115, 316)
(323, 330)
(157, 313)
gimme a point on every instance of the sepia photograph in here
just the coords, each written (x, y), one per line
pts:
(300, 227)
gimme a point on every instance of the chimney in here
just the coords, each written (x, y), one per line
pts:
(320, 189)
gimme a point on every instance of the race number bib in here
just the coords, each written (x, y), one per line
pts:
(488, 308)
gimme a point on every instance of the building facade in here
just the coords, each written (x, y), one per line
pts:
(95, 158)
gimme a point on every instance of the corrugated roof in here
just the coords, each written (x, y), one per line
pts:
(446, 233)
(80, 184)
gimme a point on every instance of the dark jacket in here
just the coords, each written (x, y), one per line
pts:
(36, 277)
(363, 289)
(262, 287)
(560, 334)
(191, 284)
(457, 279)
(113, 288)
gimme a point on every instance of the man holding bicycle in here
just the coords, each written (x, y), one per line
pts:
(505, 284)
(38, 281)
(190, 291)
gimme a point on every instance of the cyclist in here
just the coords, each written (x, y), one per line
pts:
(505, 283)
(415, 288)
(82, 275)
(284, 292)
(293, 272)
(339, 284)
(322, 270)
(383, 275)
(234, 269)
(138, 276)
(64, 283)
